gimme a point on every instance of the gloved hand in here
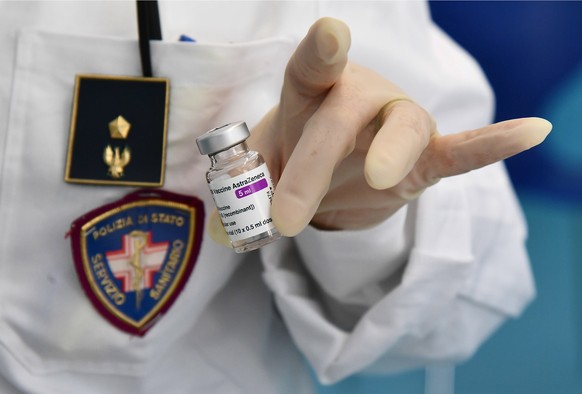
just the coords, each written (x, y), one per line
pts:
(347, 148)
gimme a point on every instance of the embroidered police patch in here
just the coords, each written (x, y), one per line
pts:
(134, 256)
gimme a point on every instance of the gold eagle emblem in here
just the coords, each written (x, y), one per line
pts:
(116, 160)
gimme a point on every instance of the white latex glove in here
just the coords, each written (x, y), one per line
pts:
(347, 148)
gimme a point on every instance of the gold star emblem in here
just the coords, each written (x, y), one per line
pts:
(119, 128)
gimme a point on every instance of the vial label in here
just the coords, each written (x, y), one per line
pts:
(244, 203)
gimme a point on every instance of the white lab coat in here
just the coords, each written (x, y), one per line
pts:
(427, 286)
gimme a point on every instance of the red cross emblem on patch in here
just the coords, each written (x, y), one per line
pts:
(137, 263)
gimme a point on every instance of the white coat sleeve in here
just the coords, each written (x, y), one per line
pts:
(432, 282)
(428, 285)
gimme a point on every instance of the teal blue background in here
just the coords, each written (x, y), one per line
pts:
(532, 54)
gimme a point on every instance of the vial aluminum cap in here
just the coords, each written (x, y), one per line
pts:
(222, 138)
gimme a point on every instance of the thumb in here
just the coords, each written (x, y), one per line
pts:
(215, 229)
(316, 65)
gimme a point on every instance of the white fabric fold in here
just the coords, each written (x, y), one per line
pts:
(430, 314)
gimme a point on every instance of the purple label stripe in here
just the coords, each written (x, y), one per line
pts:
(250, 189)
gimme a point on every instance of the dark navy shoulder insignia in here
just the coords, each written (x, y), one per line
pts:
(118, 131)
(134, 256)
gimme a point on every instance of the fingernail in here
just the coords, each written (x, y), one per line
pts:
(327, 46)
(332, 40)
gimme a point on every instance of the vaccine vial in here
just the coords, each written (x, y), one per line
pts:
(240, 185)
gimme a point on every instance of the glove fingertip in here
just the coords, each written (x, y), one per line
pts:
(378, 174)
(216, 231)
(538, 129)
(332, 40)
(288, 217)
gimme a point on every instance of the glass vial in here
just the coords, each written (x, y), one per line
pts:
(240, 185)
